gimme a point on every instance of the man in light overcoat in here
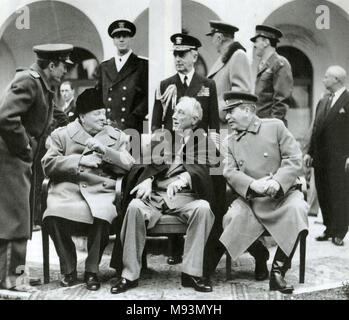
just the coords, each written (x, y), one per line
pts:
(262, 165)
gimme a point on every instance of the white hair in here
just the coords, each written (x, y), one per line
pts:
(194, 105)
(338, 72)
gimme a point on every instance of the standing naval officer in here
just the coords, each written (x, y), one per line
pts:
(274, 83)
(232, 70)
(26, 110)
(186, 82)
(123, 80)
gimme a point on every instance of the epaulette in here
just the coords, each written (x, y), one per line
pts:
(34, 74)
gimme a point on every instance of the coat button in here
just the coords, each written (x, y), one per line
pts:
(123, 98)
(104, 184)
(265, 155)
(124, 88)
(108, 109)
(81, 169)
(84, 185)
(241, 162)
(110, 99)
(123, 109)
(110, 89)
(122, 120)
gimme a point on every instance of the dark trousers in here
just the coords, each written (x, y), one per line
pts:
(12, 261)
(61, 231)
(332, 187)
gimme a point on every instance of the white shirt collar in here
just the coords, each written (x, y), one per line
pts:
(121, 60)
(337, 94)
(189, 76)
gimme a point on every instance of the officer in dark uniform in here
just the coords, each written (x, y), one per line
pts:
(123, 80)
(186, 82)
(274, 81)
(26, 111)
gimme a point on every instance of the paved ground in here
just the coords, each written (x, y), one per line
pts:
(326, 266)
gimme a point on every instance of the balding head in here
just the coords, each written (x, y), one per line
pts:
(335, 78)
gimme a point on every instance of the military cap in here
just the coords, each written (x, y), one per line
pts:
(91, 99)
(121, 26)
(54, 51)
(219, 26)
(233, 99)
(184, 42)
(267, 32)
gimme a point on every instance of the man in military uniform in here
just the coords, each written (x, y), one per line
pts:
(274, 83)
(262, 164)
(25, 114)
(232, 70)
(186, 82)
(123, 80)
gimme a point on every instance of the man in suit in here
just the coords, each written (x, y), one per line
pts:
(329, 155)
(184, 188)
(186, 82)
(26, 110)
(123, 80)
(232, 70)
(262, 165)
(67, 93)
(274, 83)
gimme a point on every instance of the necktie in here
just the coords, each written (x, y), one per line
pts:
(328, 104)
(185, 83)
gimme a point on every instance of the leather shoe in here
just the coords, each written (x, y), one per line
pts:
(323, 237)
(123, 285)
(174, 260)
(68, 279)
(199, 284)
(92, 282)
(338, 241)
(277, 282)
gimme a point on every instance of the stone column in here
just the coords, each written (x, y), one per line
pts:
(165, 19)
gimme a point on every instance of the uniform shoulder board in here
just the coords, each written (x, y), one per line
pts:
(34, 74)
(144, 58)
(58, 129)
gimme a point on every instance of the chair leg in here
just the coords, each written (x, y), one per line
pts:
(144, 258)
(46, 254)
(302, 251)
(228, 266)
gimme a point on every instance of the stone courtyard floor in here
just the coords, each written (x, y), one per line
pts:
(327, 267)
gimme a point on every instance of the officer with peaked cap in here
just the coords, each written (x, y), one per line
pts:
(262, 164)
(25, 114)
(186, 82)
(232, 69)
(274, 83)
(123, 80)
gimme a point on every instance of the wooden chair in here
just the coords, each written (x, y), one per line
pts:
(302, 249)
(167, 226)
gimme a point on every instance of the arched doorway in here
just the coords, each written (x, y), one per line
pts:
(299, 114)
(50, 22)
